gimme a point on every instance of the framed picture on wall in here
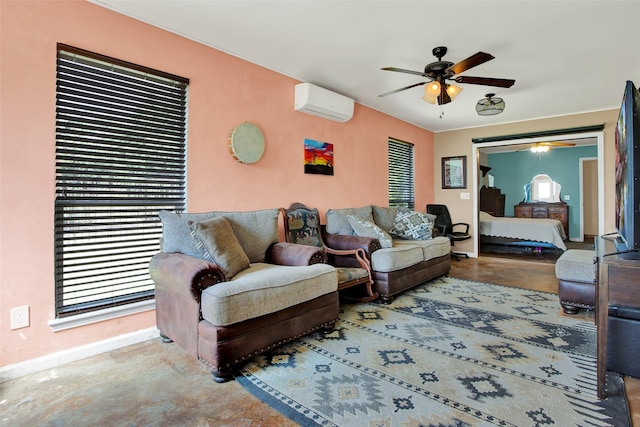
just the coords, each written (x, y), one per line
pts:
(454, 172)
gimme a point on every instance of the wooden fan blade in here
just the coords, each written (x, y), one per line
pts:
(402, 70)
(401, 89)
(470, 62)
(486, 81)
(558, 144)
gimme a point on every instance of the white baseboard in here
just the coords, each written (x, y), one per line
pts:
(49, 361)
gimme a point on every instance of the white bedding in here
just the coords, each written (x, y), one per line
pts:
(534, 229)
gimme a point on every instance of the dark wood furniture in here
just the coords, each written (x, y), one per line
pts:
(618, 277)
(492, 201)
(559, 211)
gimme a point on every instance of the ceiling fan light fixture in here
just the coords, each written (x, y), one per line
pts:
(430, 99)
(490, 106)
(537, 148)
(432, 89)
(453, 91)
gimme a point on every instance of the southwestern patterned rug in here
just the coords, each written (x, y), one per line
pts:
(448, 353)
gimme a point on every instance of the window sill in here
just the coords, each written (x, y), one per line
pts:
(84, 319)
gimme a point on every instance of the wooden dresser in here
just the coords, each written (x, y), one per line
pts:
(559, 211)
(492, 201)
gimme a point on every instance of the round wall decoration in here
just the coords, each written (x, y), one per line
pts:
(246, 143)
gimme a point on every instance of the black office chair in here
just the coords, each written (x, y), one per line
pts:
(446, 227)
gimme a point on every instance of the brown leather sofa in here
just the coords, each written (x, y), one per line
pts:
(224, 319)
(405, 264)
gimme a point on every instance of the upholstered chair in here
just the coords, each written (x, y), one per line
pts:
(302, 226)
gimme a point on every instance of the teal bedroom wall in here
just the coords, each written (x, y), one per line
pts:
(511, 171)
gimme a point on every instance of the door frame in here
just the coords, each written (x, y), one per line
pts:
(475, 155)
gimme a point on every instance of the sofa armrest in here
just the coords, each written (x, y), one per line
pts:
(293, 254)
(346, 242)
(184, 274)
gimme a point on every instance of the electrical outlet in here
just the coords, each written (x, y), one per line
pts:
(20, 317)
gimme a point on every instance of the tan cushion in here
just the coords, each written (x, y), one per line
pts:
(337, 222)
(217, 243)
(432, 248)
(396, 258)
(576, 265)
(265, 288)
(364, 228)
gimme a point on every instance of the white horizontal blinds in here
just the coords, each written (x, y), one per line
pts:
(120, 158)
(401, 185)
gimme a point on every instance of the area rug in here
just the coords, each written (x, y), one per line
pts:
(448, 353)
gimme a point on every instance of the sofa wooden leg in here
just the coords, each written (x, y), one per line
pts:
(221, 376)
(569, 309)
(165, 339)
(386, 299)
(328, 327)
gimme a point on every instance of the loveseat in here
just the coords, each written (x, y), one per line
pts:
(227, 290)
(401, 244)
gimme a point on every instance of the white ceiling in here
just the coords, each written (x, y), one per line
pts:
(567, 57)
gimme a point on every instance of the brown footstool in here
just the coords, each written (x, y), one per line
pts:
(576, 273)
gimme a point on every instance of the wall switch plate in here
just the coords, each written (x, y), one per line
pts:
(567, 197)
(465, 196)
(20, 317)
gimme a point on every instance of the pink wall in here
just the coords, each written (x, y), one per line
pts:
(224, 92)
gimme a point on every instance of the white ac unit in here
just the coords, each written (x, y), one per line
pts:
(321, 102)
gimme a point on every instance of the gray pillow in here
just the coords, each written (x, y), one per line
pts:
(430, 217)
(383, 216)
(411, 225)
(216, 242)
(365, 228)
(337, 222)
(255, 230)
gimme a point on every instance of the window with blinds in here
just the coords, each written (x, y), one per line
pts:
(120, 158)
(401, 174)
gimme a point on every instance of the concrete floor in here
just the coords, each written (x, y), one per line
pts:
(160, 385)
(146, 384)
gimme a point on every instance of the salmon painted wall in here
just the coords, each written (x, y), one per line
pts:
(224, 91)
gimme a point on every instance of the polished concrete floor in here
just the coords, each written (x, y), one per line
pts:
(154, 384)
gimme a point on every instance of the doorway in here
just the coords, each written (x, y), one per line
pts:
(480, 150)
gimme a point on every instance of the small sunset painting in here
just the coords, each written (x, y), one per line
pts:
(318, 157)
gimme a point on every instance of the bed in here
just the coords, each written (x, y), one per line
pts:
(522, 231)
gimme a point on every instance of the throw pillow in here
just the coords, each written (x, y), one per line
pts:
(337, 222)
(411, 225)
(365, 228)
(217, 243)
(430, 217)
(383, 216)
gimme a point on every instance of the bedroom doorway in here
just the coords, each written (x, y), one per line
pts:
(480, 151)
(589, 198)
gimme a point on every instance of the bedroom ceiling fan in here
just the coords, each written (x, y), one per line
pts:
(439, 72)
(543, 147)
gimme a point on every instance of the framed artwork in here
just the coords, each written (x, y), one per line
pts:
(318, 157)
(454, 172)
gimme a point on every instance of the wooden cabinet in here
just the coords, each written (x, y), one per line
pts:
(559, 211)
(492, 201)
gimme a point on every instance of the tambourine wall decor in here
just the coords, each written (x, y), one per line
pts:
(246, 143)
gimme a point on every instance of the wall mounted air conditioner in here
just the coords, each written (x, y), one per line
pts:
(321, 102)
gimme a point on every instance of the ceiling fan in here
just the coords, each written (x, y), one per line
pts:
(541, 147)
(438, 90)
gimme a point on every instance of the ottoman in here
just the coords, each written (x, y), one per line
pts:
(576, 273)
